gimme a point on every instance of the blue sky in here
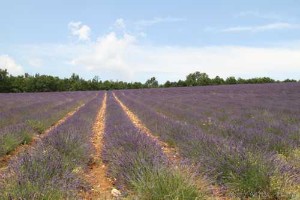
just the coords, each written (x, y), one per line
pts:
(134, 40)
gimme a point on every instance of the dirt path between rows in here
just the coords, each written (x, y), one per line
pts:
(96, 175)
(170, 152)
(21, 148)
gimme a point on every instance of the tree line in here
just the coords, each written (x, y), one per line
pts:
(46, 83)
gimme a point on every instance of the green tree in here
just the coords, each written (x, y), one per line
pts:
(289, 80)
(5, 84)
(197, 79)
(45, 83)
(151, 83)
(231, 80)
(217, 81)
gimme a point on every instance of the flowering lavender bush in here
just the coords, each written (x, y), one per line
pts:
(138, 163)
(49, 170)
(23, 115)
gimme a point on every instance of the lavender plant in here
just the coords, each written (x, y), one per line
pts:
(234, 133)
(24, 115)
(137, 162)
(50, 169)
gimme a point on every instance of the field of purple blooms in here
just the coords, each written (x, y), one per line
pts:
(245, 138)
(233, 142)
(51, 168)
(24, 115)
(138, 164)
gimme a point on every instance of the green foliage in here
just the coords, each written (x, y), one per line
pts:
(231, 80)
(26, 138)
(283, 187)
(258, 181)
(197, 79)
(45, 83)
(163, 183)
(37, 126)
(255, 80)
(29, 190)
(151, 83)
(34, 178)
(5, 82)
(253, 181)
(218, 81)
(71, 149)
(8, 143)
(289, 80)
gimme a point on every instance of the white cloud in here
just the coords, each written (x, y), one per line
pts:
(158, 20)
(121, 56)
(80, 30)
(124, 58)
(6, 62)
(261, 28)
(120, 24)
(108, 53)
(257, 14)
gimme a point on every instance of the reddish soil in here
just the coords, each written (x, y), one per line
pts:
(96, 174)
(170, 152)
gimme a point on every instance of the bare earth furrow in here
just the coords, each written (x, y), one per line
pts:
(96, 175)
(170, 152)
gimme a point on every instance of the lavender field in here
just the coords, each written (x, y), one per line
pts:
(24, 115)
(244, 138)
(213, 142)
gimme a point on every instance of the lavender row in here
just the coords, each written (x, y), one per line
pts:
(137, 162)
(51, 169)
(23, 122)
(234, 114)
(124, 145)
(186, 138)
(16, 108)
(225, 159)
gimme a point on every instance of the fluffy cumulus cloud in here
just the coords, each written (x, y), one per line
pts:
(6, 62)
(127, 59)
(120, 55)
(108, 53)
(80, 30)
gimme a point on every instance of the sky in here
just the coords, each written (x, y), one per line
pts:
(133, 40)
